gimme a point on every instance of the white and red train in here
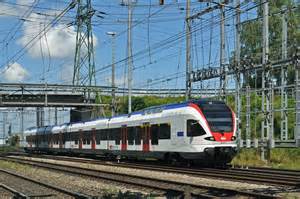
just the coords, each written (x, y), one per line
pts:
(200, 130)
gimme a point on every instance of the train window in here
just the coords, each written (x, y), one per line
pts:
(97, 141)
(219, 117)
(98, 136)
(138, 135)
(87, 135)
(117, 136)
(130, 131)
(76, 141)
(194, 128)
(88, 142)
(164, 131)
(74, 135)
(104, 134)
(154, 134)
(84, 141)
(66, 137)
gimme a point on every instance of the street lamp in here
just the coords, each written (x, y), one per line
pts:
(113, 100)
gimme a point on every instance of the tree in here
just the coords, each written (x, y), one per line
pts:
(251, 36)
(138, 103)
(14, 140)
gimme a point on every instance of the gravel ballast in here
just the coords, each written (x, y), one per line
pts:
(160, 175)
(84, 185)
(74, 183)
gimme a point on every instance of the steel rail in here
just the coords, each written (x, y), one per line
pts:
(275, 178)
(56, 188)
(140, 181)
(16, 193)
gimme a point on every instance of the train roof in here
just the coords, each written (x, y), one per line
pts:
(150, 110)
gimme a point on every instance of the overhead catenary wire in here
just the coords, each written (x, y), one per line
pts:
(32, 41)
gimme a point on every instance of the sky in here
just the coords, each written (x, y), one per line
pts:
(158, 37)
(31, 55)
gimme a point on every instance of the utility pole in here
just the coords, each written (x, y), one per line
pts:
(113, 97)
(189, 67)
(297, 82)
(284, 96)
(4, 114)
(22, 127)
(267, 94)
(55, 115)
(188, 86)
(238, 74)
(129, 60)
(222, 52)
(40, 116)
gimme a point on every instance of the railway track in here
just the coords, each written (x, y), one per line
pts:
(9, 192)
(252, 174)
(19, 186)
(165, 185)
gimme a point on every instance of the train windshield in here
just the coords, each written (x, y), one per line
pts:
(218, 115)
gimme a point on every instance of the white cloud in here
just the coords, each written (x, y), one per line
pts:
(15, 72)
(66, 74)
(59, 41)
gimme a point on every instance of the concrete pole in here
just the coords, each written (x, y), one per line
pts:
(188, 52)
(129, 49)
(248, 117)
(297, 82)
(38, 123)
(4, 114)
(284, 96)
(113, 96)
(222, 52)
(55, 115)
(22, 127)
(265, 58)
(238, 74)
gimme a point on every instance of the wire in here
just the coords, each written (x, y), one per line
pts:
(31, 42)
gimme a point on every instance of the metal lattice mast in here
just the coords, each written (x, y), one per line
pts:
(84, 64)
(284, 96)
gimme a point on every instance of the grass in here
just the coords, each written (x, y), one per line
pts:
(279, 158)
(6, 149)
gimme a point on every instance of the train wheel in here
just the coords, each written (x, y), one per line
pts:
(173, 159)
(189, 163)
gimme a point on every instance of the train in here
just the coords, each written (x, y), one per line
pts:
(202, 131)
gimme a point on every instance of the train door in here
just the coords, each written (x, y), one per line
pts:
(60, 140)
(93, 138)
(124, 135)
(80, 139)
(146, 137)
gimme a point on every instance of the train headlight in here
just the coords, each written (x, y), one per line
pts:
(210, 138)
(233, 138)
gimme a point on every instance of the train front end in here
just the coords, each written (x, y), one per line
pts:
(219, 144)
